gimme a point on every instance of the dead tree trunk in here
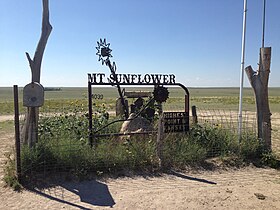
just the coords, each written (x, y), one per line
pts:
(30, 128)
(259, 82)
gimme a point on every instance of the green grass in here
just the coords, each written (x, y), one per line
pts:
(10, 177)
(216, 98)
(6, 93)
(7, 126)
(63, 143)
(61, 149)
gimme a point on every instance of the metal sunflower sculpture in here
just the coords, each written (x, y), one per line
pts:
(161, 94)
(104, 55)
(103, 51)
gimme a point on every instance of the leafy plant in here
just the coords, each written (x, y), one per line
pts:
(63, 146)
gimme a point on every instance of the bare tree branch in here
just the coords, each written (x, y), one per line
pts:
(35, 64)
(259, 83)
(30, 128)
(264, 68)
(251, 74)
(30, 61)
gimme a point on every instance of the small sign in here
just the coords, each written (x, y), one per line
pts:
(33, 95)
(175, 122)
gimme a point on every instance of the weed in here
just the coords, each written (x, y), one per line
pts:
(270, 159)
(63, 138)
(10, 176)
(62, 146)
(215, 140)
(177, 152)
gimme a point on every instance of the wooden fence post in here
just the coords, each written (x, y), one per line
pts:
(259, 82)
(194, 115)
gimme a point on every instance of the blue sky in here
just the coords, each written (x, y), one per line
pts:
(198, 41)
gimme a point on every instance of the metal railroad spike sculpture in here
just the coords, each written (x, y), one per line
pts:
(104, 53)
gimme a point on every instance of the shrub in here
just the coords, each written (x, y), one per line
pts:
(177, 152)
(251, 148)
(270, 159)
(215, 140)
(63, 146)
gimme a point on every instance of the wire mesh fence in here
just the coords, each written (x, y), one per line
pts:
(63, 146)
(275, 133)
(228, 120)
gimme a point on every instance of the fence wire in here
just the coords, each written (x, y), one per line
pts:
(63, 144)
(228, 120)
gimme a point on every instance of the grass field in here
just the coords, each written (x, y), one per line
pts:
(210, 98)
(214, 101)
(64, 137)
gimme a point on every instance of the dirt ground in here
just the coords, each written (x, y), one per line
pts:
(246, 188)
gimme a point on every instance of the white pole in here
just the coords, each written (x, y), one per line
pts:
(242, 72)
(264, 1)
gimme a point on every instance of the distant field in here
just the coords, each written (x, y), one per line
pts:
(216, 98)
